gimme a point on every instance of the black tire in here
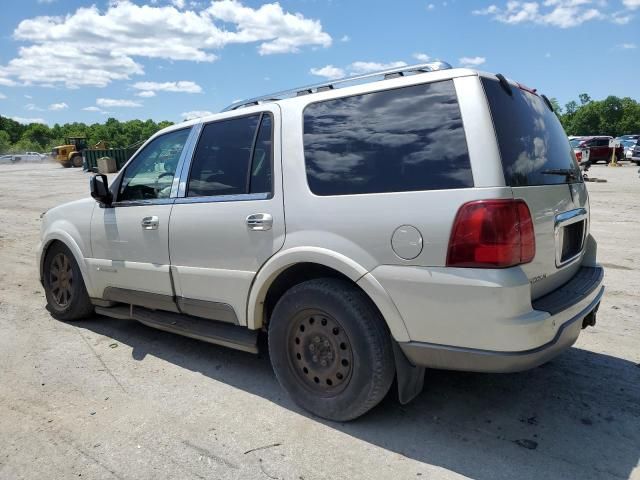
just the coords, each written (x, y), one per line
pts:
(76, 161)
(67, 297)
(66, 164)
(330, 320)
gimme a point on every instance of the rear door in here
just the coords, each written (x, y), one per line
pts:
(229, 217)
(540, 166)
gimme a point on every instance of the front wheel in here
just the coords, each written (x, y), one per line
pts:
(67, 297)
(330, 349)
(76, 161)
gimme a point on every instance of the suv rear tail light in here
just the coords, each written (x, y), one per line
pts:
(492, 234)
(579, 156)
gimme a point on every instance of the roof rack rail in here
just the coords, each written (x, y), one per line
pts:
(321, 87)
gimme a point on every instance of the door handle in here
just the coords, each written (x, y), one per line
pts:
(150, 223)
(260, 222)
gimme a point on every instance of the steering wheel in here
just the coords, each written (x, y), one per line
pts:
(165, 174)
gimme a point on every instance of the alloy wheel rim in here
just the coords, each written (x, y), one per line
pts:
(61, 280)
(320, 352)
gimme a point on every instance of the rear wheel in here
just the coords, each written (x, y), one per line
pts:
(67, 297)
(330, 349)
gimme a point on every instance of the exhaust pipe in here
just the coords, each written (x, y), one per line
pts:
(590, 319)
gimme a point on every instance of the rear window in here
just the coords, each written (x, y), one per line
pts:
(533, 145)
(399, 140)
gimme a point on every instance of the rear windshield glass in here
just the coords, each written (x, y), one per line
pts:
(534, 147)
(406, 139)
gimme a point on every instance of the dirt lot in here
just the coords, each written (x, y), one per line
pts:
(114, 399)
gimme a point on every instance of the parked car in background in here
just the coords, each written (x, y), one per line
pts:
(635, 154)
(628, 144)
(599, 149)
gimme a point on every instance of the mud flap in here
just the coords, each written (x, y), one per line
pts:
(410, 378)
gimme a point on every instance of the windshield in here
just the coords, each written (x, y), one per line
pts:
(575, 142)
(533, 145)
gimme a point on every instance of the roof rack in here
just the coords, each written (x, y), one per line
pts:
(321, 87)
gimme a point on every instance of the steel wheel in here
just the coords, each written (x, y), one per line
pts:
(61, 280)
(320, 352)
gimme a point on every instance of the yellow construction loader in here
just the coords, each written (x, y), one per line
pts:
(70, 154)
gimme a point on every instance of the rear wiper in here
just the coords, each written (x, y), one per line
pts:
(567, 172)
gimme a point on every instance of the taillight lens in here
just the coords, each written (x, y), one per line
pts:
(492, 234)
(579, 156)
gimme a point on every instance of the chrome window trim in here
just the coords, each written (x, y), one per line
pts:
(224, 198)
(179, 187)
(138, 203)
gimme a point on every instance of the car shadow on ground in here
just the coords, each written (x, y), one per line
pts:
(577, 416)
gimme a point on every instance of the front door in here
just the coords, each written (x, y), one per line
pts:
(229, 219)
(130, 239)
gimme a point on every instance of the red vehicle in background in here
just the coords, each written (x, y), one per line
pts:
(599, 149)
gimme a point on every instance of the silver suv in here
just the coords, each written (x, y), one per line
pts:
(372, 227)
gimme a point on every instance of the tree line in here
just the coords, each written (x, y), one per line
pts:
(612, 116)
(16, 137)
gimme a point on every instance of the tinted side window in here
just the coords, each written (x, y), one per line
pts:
(406, 139)
(150, 175)
(221, 161)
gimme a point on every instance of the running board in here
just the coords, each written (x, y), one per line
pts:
(211, 331)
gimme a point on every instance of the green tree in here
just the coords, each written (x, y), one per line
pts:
(5, 142)
(584, 98)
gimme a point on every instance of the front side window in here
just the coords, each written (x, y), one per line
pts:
(150, 174)
(406, 139)
(233, 157)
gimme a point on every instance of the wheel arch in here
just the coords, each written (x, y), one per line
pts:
(68, 241)
(294, 266)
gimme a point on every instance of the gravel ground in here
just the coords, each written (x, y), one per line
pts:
(105, 398)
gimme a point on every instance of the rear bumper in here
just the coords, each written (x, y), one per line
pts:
(475, 360)
(579, 298)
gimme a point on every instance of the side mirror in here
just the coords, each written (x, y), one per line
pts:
(100, 189)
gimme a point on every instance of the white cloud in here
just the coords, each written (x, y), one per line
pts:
(58, 106)
(181, 86)
(27, 121)
(195, 114)
(104, 44)
(146, 94)
(178, 3)
(631, 4)
(472, 61)
(113, 102)
(421, 57)
(2, 96)
(29, 97)
(32, 107)
(332, 72)
(345, 38)
(628, 46)
(431, 6)
(556, 13)
(329, 72)
(279, 31)
(368, 67)
(91, 109)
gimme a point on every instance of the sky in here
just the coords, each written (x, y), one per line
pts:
(73, 60)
